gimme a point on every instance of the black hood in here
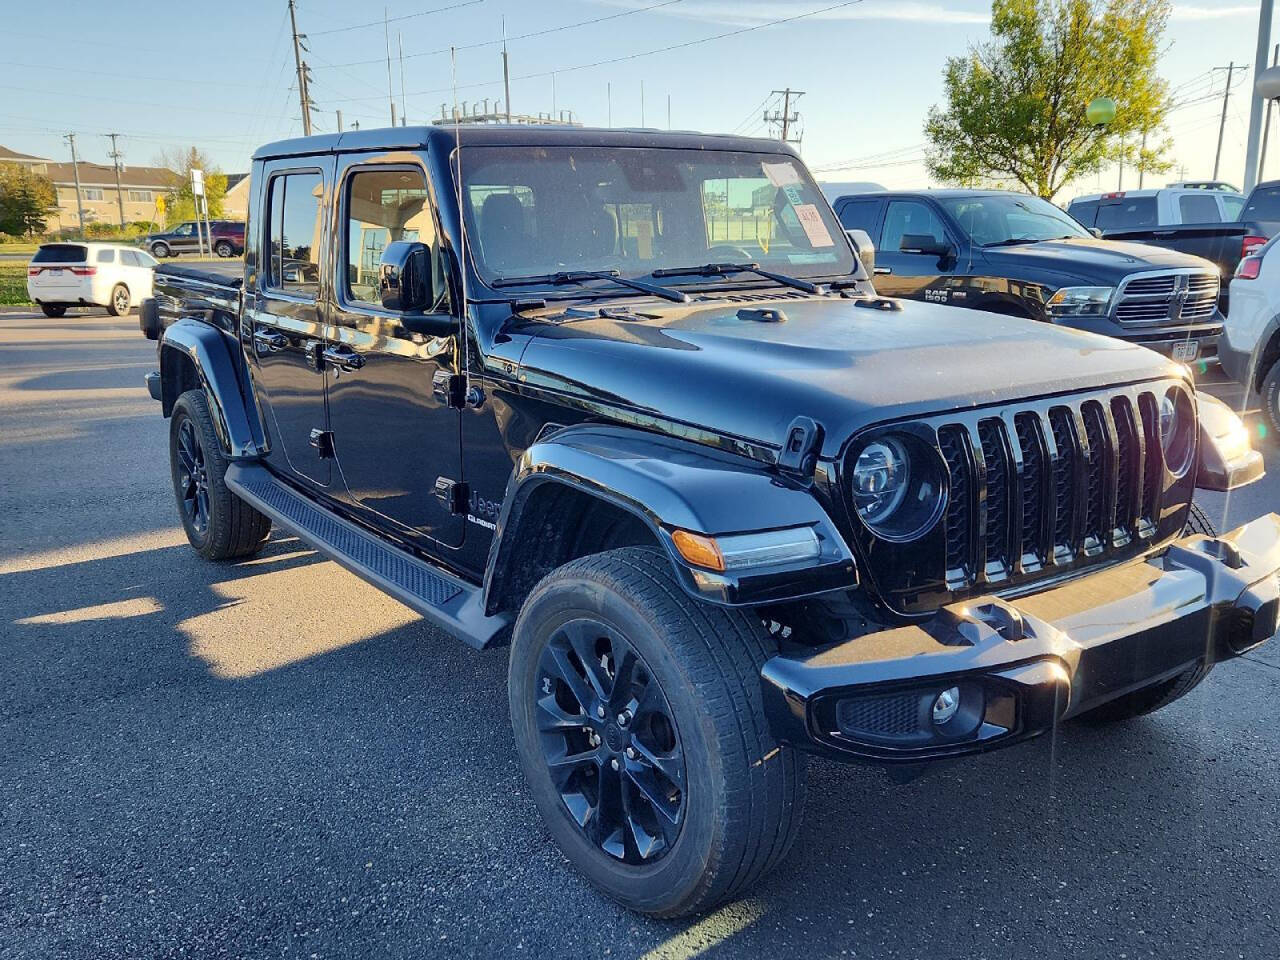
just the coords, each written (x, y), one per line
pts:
(1103, 262)
(843, 365)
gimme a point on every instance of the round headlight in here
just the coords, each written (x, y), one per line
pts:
(880, 476)
(896, 486)
(1177, 430)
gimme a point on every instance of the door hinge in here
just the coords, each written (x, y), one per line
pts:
(454, 494)
(449, 389)
(322, 440)
(801, 448)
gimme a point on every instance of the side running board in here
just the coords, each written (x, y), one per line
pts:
(445, 600)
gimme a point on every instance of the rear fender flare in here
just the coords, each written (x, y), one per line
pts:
(193, 344)
(670, 484)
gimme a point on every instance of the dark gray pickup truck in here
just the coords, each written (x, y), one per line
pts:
(626, 402)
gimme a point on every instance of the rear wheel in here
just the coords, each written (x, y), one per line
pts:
(53, 310)
(639, 723)
(218, 524)
(119, 303)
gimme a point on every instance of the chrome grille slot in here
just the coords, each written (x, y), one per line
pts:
(1128, 475)
(1034, 478)
(1153, 464)
(1066, 466)
(1095, 513)
(999, 480)
(1160, 286)
(953, 442)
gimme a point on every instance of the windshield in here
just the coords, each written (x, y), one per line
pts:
(539, 210)
(1001, 218)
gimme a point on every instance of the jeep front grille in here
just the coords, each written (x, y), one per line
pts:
(1034, 490)
(1150, 298)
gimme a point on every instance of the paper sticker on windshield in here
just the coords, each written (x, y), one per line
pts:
(814, 228)
(781, 174)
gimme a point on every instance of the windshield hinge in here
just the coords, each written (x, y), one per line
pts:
(800, 449)
(453, 494)
(449, 389)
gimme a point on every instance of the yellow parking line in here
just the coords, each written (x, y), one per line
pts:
(711, 931)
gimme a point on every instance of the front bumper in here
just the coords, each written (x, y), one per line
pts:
(1207, 349)
(1021, 666)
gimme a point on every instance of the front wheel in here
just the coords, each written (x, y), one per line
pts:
(53, 310)
(640, 727)
(218, 523)
(223, 249)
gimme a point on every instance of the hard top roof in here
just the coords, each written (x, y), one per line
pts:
(441, 137)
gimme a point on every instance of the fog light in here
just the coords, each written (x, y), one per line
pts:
(945, 707)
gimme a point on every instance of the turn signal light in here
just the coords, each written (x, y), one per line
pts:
(699, 550)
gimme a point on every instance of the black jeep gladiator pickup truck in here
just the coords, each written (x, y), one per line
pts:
(626, 401)
(1015, 254)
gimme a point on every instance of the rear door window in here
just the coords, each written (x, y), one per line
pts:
(1199, 208)
(106, 256)
(860, 215)
(60, 253)
(1128, 213)
(293, 233)
(130, 258)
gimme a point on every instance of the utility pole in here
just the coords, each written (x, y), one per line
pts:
(642, 101)
(304, 97)
(115, 158)
(339, 112)
(668, 111)
(608, 103)
(75, 168)
(391, 96)
(1266, 127)
(1222, 128)
(506, 72)
(1142, 161)
(787, 117)
(1252, 164)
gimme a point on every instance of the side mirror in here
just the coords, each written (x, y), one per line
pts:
(924, 243)
(864, 248)
(404, 277)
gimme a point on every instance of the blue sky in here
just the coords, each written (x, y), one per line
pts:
(870, 71)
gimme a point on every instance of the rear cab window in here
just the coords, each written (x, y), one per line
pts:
(1128, 213)
(1199, 208)
(61, 253)
(1084, 212)
(293, 233)
(860, 215)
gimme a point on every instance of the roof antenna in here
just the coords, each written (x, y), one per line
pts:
(462, 217)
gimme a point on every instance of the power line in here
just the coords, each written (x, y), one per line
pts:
(385, 20)
(524, 36)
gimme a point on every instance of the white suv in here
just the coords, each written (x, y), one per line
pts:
(1250, 347)
(110, 275)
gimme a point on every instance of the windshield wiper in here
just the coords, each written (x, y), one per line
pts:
(564, 277)
(1012, 240)
(724, 269)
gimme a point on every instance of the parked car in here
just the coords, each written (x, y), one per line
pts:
(627, 401)
(226, 236)
(1014, 254)
(1251, 341)
(1170, 206)
(1224, 243)
(111, 275)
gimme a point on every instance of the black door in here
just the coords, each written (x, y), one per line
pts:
(906, 273)
(394, 431)
(287, 335)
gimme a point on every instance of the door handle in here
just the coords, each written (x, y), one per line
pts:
(883, 270)
(341, 358)
(270, 341)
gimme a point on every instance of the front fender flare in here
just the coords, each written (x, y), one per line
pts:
(208, 351)
(670, 484)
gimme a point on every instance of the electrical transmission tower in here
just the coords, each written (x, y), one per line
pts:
(785, 120)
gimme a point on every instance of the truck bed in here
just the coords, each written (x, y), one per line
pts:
(218, 272)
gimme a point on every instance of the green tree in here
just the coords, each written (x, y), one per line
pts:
(1016, 104)
(179, 201)
(26, 200)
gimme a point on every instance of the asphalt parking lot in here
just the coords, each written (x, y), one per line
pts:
(271, 759)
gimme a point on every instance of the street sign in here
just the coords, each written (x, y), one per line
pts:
(197, 182)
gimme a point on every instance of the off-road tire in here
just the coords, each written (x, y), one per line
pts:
(744, 793)
(233, 529)
(53, 310)
(1270, 396)
(1198, 522)
(223, 249)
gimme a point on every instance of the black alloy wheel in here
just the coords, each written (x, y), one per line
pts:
(610, 742)
(193, 478)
